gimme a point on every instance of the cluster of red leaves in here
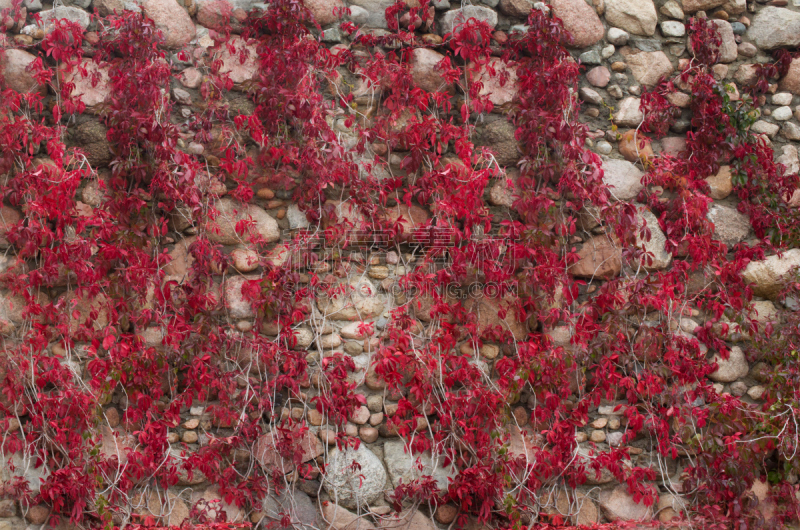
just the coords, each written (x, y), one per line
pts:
(112, 261)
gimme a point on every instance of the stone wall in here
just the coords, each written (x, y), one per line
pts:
(625, 45)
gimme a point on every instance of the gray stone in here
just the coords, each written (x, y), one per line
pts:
(791, 131)
(73, 14)
(297, 506)
(646, 45)
(657, 257)
(376, 12)
(32, 5)
(738, 28)
(83, 4)
(457, 17)
(730, 369)
(402, 465)
(623, 178)
(603, 147)
(354, 489)
(730, 226)
(634, 16)
(359, 15)
(591, 57)
(673, 28)
(775, 27)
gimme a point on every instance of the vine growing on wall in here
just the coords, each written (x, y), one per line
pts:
(101, 309)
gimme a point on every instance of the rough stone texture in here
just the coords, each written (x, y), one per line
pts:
(693, 6)
(500, 95)
(775, 27)
(174, 22)
(628, 114)
(649, 67)
(720, 184)
(657, 257)
(71, 13)
(266, 451)
(456, 17)
(91, 138)
(499, 136)
(730, 226)
(359, 302)
(235, 303)
(634, 16)
(302, 511)
(623, 178)
(516, 8)
(730, 369)
(240, 66)
(618, 505)
(791, 81)
(93, 88)
(767, 276)
(340, 518)
(729, 50)
(230, 213)
(580, 20)
(599, 76)
(424, 72)
(354, 489)
(325, 11)
(599, 257)
(402, 465)
(13, 67)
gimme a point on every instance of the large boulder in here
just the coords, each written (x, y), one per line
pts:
(71, 13)
(354, 488)
(618, 505)
(657, 257)
(649, 67)
(791, 81)
(599, 257)
(241, 65)
(91, 138)
(634, 16)
(230, 213)
(775, 27)
(693, 6)
(456, 17)
(728, 50)
(405, 467)
(325, 11)
(501, 95)
(580, 20)
(424, 72)
(623, 178)
(767, 277)
(730, 226)
(339, 518)
(354, 300)
(91, 89)
(14, 66)
(268, 455)
(172, 20)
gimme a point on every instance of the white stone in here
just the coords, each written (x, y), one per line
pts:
(730, 369)
(673, 28)
(782, 98)
(350, 488)
(623, 178)
(782, 113)
(617, 37)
